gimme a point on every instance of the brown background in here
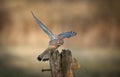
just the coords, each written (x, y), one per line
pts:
(96, 46)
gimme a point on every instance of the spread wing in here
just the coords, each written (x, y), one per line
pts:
(66, 35)
(44, 28)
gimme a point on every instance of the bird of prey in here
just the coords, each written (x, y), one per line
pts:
(55, 40)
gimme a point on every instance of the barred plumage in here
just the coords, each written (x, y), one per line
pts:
(55, 41)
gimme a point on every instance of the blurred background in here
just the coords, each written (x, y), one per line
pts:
(96, 46)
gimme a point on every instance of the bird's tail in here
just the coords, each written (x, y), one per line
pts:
(45, 55)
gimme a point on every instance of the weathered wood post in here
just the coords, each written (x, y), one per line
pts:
(61, 64)
(55, 63)
(66, 63)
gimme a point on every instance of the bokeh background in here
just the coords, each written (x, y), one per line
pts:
(96, 46)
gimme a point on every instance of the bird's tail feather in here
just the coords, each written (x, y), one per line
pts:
(45, 55)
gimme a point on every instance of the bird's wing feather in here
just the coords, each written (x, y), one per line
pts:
(66, 34)
(44, 28)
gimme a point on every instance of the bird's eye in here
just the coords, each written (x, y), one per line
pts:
(73, 32)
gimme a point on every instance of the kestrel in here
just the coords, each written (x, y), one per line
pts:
(55, 40)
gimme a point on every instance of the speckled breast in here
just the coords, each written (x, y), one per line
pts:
(56, 42)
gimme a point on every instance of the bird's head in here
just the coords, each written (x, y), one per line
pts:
(74, 33)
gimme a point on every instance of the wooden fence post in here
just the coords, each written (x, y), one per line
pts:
(60, 64)
(55, 63)
(66, 64)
